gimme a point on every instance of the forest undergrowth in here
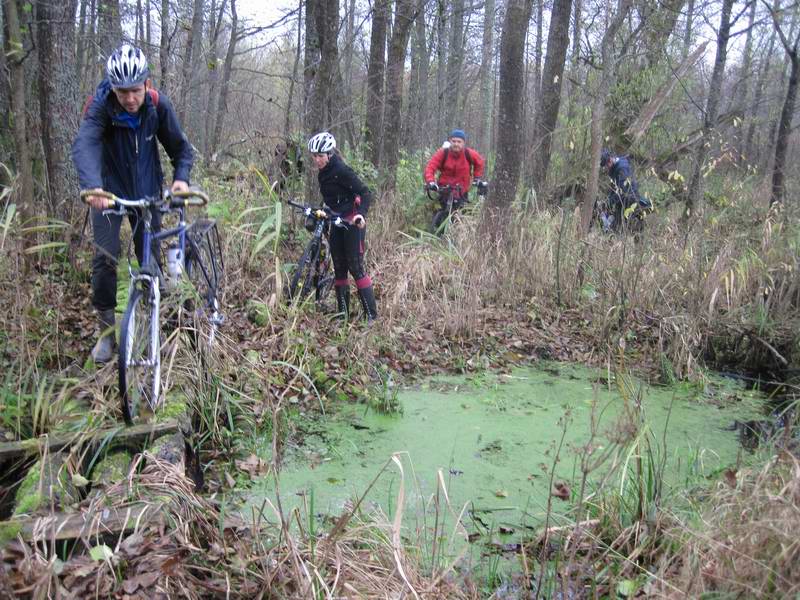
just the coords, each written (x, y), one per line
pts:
(721, 293)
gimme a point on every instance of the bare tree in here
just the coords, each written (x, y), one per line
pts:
(398, 47)
(222, 104)
(164, 48)
(552, 77)
(416, 115)
(15, 55)
(58, 101)
(695, 195)
(608, 64)
(376, 70)
(455, 63)
(508, 149)
(785, 123)
(109, 25)
(287, 120)
(483, 135)
(187, 108)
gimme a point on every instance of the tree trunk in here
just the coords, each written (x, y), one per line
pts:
(376, 71)
(109, 25)
(455, 62)
(441, 72)
(606, 80)
(327, 17)
(164, 49)
(483, 135)
(222, 105)
(694, 201)
(15, 55)
(395, 69)
(687, 32)
(58, 101)
(787, 112)
(509, 127)
(213, 68)
(576, 35)
(187, 110)
(751, 151)
(287, 120)
(661, 18)
(553, 75)
(139, 24)
(416, 131)
(80, 51)
(312, 117)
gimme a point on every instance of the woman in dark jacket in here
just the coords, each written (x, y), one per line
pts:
(344, 193)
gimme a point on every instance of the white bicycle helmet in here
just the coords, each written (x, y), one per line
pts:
(127, 67)
(322, 143)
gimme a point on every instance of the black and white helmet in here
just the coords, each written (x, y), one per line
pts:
(322, 143)
(127, 67)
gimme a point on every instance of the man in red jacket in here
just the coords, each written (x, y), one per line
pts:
(457, 166)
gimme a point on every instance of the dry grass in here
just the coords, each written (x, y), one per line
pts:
(747, 543)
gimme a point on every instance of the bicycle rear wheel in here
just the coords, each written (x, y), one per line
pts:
(139, 356)
(204, 270)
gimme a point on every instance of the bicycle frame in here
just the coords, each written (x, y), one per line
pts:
(311, 258)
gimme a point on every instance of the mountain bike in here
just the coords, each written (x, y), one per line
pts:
(193, 251)
(450, 198)
(611, 217)
(314, 270)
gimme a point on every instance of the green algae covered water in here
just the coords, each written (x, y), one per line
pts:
(497, 443)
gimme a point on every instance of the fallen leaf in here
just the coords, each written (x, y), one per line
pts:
(730, 477)
(101, 552)
(561, 491)
(501, 494)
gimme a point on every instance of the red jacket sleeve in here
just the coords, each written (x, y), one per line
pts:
(434, 164)
(480, 164)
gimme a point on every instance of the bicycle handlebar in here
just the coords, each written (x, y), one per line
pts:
(175, 199)
(320, 213)
(442, 190)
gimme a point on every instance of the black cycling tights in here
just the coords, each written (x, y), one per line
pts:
(347, 251)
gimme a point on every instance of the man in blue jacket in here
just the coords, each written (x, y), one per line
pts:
(624, 197)
(116, 150)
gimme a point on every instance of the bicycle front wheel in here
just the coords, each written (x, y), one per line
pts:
(302, 282)
(140, 356)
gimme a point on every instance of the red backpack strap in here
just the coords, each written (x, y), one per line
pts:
(154, 96)
(87, 104)
(468, 154)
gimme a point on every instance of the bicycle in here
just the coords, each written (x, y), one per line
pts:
(195, 250)
(611, 217)
(450, 199)
(314, 271)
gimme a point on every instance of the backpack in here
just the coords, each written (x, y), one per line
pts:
(466, 153)
(153, 97)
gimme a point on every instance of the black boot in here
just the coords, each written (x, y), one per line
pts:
(367, 297)
(343, 301)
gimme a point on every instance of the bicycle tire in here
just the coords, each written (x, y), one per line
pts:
(302, 281)
(139, 363)
(325, 277)
(204, 272)
(438, 219)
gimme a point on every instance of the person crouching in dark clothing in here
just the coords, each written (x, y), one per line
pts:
(624, 197)
(344, 194)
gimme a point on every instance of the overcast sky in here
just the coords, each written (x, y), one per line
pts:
(261, 12)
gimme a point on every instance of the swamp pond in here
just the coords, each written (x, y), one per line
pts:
(492, 440)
